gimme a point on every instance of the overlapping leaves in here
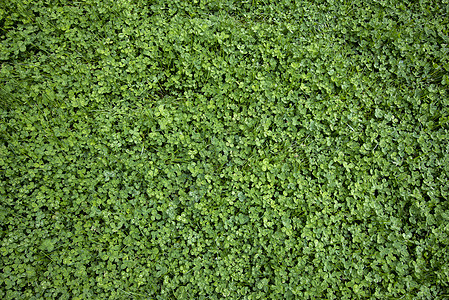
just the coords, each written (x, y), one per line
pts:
(243, 149)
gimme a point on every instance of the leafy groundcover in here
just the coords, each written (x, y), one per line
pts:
(210, 149)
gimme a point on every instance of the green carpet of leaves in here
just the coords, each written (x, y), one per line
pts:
(209, 149)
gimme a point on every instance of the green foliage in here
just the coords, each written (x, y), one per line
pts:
(242, 149)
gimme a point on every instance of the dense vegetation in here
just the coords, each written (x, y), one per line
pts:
(242, 149)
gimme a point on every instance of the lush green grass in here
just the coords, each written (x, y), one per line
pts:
(239, 149)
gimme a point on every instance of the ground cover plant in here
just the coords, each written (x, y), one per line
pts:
(210, 149)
